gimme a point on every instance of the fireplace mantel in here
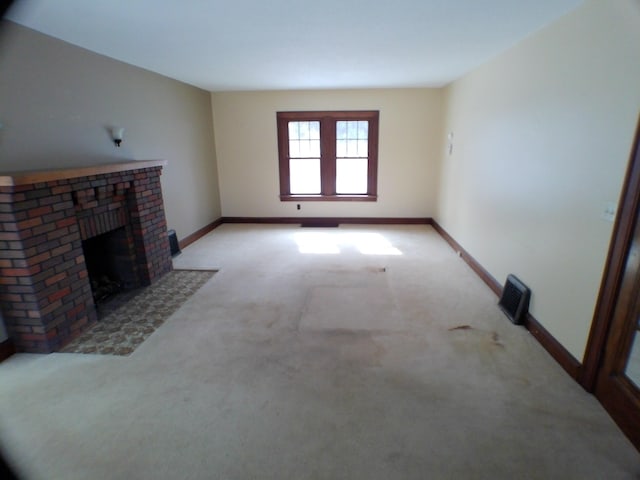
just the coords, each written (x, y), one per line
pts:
(40, 176)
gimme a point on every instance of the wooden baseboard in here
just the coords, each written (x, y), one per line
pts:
(486, 277)
(560, 354)
(332, 220)
(7, 348)
(553, 347)
(198, 234)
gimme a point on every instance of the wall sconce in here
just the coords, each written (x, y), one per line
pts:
(116, 135)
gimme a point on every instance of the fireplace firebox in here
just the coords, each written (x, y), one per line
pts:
(110, 261)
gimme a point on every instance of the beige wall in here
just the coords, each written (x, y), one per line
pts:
(57, 100)
(247, 151)
(542, 135)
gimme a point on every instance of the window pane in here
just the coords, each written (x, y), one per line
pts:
(352, 148)
(294, 148)
(352, 129)
(314, 130)
(304, 148)
(363, 148)
(304, 175)
(293, 130)
(363, 130)
(304, 139)
(351, 175)
(314, 148)
(304, 130)
(352, 138)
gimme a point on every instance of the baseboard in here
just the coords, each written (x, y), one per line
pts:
(198, 234)
(486, 277)
(554, 348)
(7, 348)
(330, 220)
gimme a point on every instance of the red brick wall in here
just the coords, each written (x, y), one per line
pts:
(149, 227)
(44, 288)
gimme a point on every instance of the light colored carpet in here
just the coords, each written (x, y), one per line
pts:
(271, 371)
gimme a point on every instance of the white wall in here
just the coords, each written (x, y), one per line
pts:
(57, 100)
(542, 136)
(247, 151)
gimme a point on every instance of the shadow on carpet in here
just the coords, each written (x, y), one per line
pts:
(124, 328)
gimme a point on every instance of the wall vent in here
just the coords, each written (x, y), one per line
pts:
(514, 301)
(173, 243)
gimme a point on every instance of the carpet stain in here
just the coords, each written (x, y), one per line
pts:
(355, 348)
(461, 327)
(495, 338)
(482, 338)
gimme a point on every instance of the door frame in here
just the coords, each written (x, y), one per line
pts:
(622, 236)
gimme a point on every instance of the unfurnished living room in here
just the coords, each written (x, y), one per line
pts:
(320, 240)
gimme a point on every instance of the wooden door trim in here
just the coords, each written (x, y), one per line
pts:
(622, 237)
(615, 396)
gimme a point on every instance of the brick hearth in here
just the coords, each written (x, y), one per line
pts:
(45, 292)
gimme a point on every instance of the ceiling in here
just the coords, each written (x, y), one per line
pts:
(295, 44)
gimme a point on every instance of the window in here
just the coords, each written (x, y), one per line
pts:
(328, 155)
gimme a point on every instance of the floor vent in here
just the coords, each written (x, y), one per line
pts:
(320, 224)
(514, 301)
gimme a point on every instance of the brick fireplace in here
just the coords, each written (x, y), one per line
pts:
(45, 291)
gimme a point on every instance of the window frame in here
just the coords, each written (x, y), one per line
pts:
(328, 121)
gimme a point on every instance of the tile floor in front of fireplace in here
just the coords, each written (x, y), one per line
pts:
(126, 326)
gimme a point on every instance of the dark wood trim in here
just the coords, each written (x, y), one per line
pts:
(623, 407)
(616, 259)
(553, 347)
(328, 198)
(372, 174)
(329, 220)
(7, 348)
(560, 354)
(198, 234)
(282, 124)
(328, 156)
(486, 277)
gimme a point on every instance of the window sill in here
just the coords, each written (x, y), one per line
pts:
(328, 198)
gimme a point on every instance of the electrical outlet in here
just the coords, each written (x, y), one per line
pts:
(298, 206)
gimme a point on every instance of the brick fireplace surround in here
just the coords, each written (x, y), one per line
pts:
(45, 293)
